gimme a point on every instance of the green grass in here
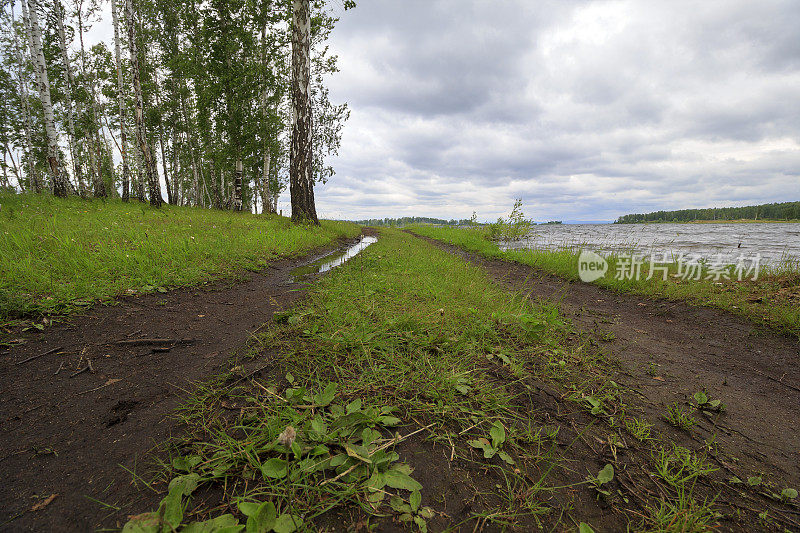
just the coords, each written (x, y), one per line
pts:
(771, 299)
(56, 254)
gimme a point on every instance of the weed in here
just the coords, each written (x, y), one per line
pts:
(638, 428)
(680, 515)
(679, 417)
(410, 510)
(296, 454)
(606, 475)
(498, 435)
(678, 465)
(706, 403)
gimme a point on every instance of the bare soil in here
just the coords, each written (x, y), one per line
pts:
(69, 440)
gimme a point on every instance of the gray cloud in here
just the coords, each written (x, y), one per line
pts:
(585, 109)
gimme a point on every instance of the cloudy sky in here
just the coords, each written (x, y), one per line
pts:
(586, 110)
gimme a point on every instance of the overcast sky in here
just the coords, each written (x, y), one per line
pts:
(586, 110)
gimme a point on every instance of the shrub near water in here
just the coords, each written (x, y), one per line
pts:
(55, 254)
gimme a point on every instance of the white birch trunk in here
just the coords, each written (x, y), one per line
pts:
(237, 186)
(126, 175)
(73, 151)
(141, 133)
(197, 193)
(95, 155)
(301, 179)
(266, 202)
(33, 179)
(59, 182)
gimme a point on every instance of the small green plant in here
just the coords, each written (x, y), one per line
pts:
(410, 511)
(264, 517)
(605, 476)
(680, 514)
(703, 402)
(595, 405)
(295, 455)
(638, 428)
(678, 465)
(498, 435)
(679, 417)
(169, 515)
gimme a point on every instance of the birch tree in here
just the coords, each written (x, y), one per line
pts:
(33, 179)
(96, 144)
(301, 183)
(229, 94)
(59, 181)
(151, 173)
(68, 84)
(123, 137)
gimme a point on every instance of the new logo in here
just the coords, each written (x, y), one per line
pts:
(591, 266)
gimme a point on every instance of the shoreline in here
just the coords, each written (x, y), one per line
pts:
(736, 221)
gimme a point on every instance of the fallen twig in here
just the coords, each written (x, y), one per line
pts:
(278, 396)
(44, 503)
(31, 358)
(104, 385)
(154, 342)
(59, 368)
(340, 475)
(84, 369)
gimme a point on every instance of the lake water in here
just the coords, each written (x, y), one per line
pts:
(774, 242)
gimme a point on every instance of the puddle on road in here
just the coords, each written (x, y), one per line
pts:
(332, 261)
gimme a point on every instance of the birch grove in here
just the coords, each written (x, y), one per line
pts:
(211, 104)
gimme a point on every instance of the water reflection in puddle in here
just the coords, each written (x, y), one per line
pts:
(332, 261)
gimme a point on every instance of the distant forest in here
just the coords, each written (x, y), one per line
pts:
(404, 221)
(781, 211)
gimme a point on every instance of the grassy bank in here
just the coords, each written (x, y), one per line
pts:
(57, 254)
(408, 384)
(773, 299)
